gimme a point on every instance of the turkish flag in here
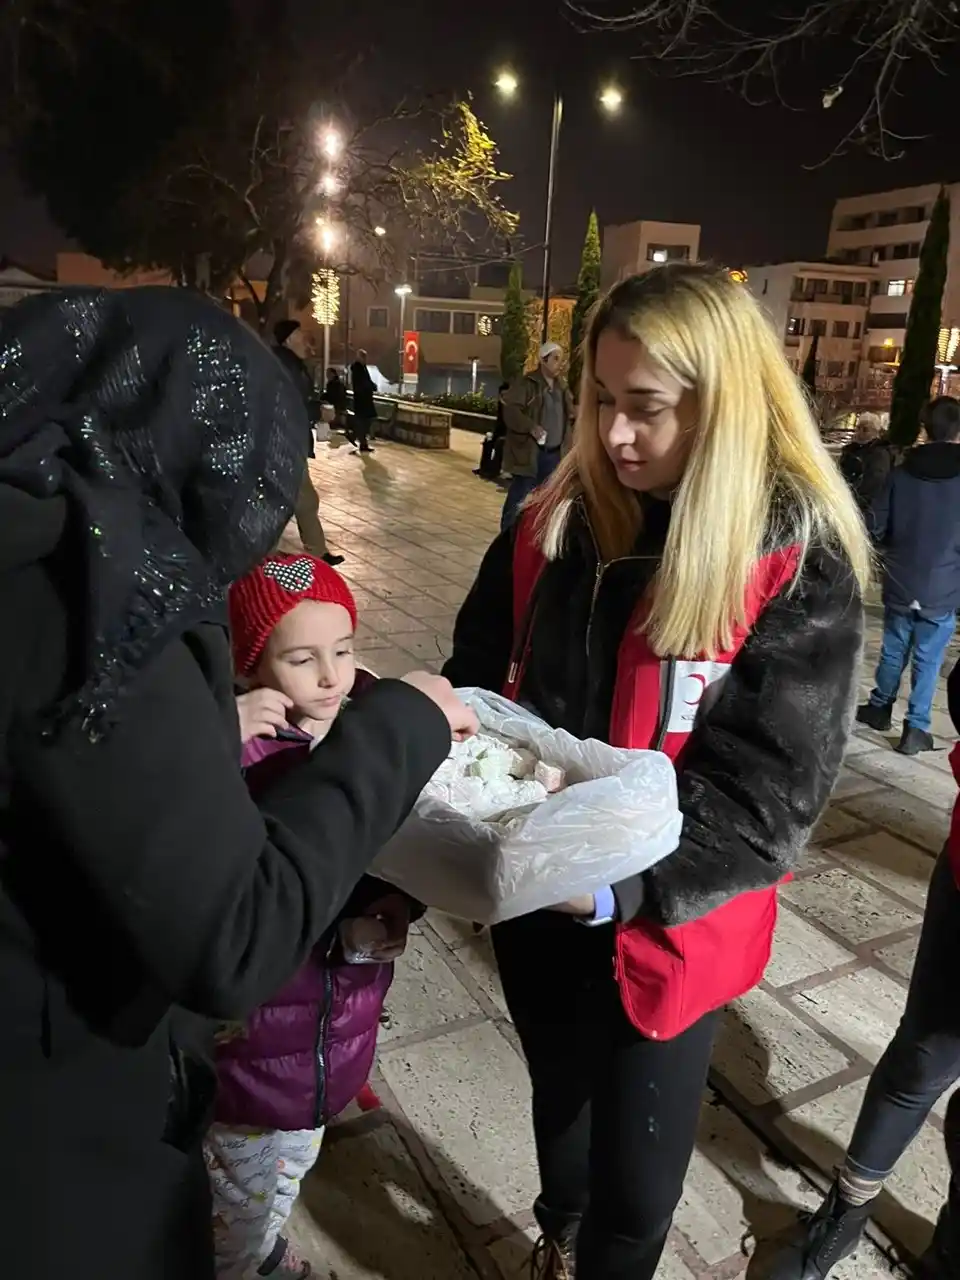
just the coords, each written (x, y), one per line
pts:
(411, 353)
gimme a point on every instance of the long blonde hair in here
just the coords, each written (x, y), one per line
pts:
(758, 473)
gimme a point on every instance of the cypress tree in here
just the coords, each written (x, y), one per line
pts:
(514, 337)
(911, 387)
(588, 290)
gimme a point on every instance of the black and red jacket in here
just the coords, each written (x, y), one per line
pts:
(757, 734)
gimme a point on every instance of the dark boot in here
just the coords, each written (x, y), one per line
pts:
(914, 741)
(879, 718)
(821, 1240)
(552, 1261)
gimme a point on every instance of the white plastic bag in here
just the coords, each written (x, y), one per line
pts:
(618, 816)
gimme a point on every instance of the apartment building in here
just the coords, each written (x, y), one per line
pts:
(822, 300)
(634, 247)
(458, 323)
(885, 230)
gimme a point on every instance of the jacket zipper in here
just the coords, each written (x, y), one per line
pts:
(602, 566)
(321, 1047)
(519, 654)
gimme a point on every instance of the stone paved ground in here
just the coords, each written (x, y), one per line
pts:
(438, 1185)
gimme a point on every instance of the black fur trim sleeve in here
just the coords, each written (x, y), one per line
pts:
(759, 768)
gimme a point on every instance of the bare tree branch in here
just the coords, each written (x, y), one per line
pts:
(880, 41)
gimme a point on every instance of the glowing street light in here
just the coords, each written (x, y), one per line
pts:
(331, 144)
(611, 99)
(380, 232)
(507, 84)
(328, 236)
(403, 292)
(330, 184)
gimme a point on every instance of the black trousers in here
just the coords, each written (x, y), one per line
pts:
(922, 1060)
(361, 430)
(614, 1114)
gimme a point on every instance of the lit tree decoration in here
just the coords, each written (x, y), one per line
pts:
(326, 296)
(738, 276)
(947, 344)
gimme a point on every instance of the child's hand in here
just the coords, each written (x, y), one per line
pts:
(262, 712)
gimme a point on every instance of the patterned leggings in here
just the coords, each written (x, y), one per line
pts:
(255, 1178)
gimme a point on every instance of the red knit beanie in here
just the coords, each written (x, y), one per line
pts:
(263, 597)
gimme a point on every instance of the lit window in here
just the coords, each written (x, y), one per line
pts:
(659, 255)
(896, 288)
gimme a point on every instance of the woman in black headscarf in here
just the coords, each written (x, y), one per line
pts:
(150, 452)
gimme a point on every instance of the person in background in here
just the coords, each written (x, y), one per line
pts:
(915, 522)
(491, 453)
(538, 414)
(919, 1066)
(301, 1058)
(335, 394)
(291, 350)
(364, 408)
(866, 462)
(689, 580)
(150, 453)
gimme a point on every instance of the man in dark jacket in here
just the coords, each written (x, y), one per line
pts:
(866, 461)
(335, 394)
(916, 524)
(364, 410)
(290, 350)
(538, 412)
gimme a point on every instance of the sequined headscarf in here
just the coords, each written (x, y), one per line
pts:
(176, 440)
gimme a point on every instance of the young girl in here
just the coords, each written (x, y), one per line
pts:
(303, 1057)
(702, 560)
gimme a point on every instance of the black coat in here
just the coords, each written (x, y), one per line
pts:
(865, 467)
(142, 895)
(915, 521)
(301, 377)
(335, 393)
(363, 390)
(760, 763)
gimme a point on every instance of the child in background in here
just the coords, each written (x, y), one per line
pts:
(301, 1059)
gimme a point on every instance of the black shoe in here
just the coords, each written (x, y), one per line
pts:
(333, 561)
(367, 450)
(914, 741)
(821, 1241)
(879, 718)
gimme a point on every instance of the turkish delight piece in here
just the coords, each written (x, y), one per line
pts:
(550, 776)
(523, 763)
(494, 765)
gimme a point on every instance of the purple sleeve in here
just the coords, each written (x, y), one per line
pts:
(604, 908)
(257, 749)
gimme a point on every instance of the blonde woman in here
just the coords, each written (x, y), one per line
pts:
(689, 580)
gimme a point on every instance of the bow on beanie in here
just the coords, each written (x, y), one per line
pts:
(266, 595)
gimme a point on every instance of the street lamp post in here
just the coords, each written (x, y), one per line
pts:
(548, 229)
(611, 100)
(403, 292)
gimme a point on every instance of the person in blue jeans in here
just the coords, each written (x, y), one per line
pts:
(915, 522)
(538, 413)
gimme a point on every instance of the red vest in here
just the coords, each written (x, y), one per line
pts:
(670, 977)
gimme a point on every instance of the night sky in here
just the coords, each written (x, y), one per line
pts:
(682, 150)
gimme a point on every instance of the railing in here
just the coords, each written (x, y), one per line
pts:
(830, 299)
